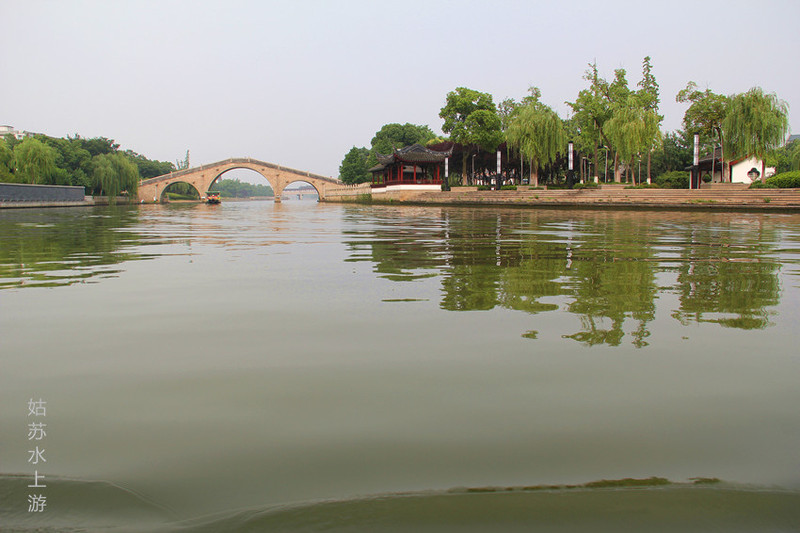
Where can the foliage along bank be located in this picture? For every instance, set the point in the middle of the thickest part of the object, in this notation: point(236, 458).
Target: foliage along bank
point(615, 129)
point(97, 164)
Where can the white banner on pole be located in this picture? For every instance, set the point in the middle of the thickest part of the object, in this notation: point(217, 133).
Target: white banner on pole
point(570, 156)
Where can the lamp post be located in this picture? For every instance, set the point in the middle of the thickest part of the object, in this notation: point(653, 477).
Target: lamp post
point(585, 169)
point(639, 174)
point(499, 159)
point(473, 168)
point(713, 159)
point(695, 163)
point(569, 164)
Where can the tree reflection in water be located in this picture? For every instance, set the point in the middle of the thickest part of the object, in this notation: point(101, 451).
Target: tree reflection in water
point(61, 246)
point(607, 267)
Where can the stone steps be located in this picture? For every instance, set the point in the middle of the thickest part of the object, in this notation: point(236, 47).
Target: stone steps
point(618, 195)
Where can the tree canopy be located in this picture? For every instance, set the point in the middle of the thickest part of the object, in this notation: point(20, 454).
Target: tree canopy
point(537, 132)
point(470, 117)
point(96, 164)
point(706, 111)
point(114, 173)
point(755, 123)
point(392, 136)
point(354, 166)
point(357, 161)
point(34, 161)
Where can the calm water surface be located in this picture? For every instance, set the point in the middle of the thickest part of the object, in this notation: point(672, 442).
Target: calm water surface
point(302, 366)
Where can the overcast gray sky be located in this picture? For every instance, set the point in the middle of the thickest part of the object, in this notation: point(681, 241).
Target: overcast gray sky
point(300, 82)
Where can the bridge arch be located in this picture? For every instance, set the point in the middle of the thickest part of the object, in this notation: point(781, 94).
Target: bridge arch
point(202, 177)
point(169, 188)
point(249, 171)
point(304, 182)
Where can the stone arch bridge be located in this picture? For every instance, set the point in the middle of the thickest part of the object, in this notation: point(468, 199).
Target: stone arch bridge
point(201, 178)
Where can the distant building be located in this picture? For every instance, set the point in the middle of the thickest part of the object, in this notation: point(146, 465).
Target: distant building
point(743, 170)
point(9, 130)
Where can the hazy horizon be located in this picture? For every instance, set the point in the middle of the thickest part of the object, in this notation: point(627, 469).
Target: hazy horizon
point(300, 83)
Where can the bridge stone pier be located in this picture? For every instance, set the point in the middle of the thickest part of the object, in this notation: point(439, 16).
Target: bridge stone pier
point(201, 178)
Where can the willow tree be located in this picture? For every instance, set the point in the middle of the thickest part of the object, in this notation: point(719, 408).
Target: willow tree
point(128, 173)
point(35, 162)
point(6, 161)
point(538, 133)
point(755, 124)
point(633, 128)
point(114, 173)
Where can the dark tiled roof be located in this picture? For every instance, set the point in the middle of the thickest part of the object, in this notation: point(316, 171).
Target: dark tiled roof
point(415, 153)
point(708, 158)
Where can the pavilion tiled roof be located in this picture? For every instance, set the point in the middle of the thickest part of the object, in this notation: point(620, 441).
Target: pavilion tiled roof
point(415, 153)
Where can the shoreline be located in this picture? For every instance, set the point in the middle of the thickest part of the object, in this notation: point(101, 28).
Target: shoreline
point(759, 200)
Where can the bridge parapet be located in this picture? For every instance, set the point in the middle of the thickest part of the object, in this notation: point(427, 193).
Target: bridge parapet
point(203, 176)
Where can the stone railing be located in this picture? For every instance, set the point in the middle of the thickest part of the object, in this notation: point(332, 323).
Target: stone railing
point(345, 191)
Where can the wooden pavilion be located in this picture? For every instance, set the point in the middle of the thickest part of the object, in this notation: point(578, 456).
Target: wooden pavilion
point(412, 167)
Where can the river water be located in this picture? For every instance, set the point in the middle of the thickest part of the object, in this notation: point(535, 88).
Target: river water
point(307, 366)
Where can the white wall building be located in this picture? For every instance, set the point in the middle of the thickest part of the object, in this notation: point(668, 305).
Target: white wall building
point(9, 130)
point(740, 172)
point(741, 169)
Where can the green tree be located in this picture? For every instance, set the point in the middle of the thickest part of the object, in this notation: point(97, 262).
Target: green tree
point(34, 161)
point(184, 163)
point(484, 129)
point(103, 176)
point(470, 117)
point(538, 133)
point(354, 166)
point(98, 145)
point(673, 154)
point(113, 174)
point(755, 124)
point(6, 162)
point(233, 188)
point(149, 168)
point(127, 173)
point(393, 136)
point(649, 99)
point(705, 115)
point(507, 110)
point(591, 111)
point(72, 161)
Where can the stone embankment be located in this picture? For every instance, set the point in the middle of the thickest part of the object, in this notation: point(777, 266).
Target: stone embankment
point(16, 195)
point(725, 198)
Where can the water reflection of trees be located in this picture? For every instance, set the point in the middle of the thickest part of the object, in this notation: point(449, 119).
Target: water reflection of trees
point(607, 268)
point(54, 247)
point(728, 276)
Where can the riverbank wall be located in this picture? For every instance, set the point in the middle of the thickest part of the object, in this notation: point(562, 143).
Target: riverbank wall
point(613, 196)
point(16, 195)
